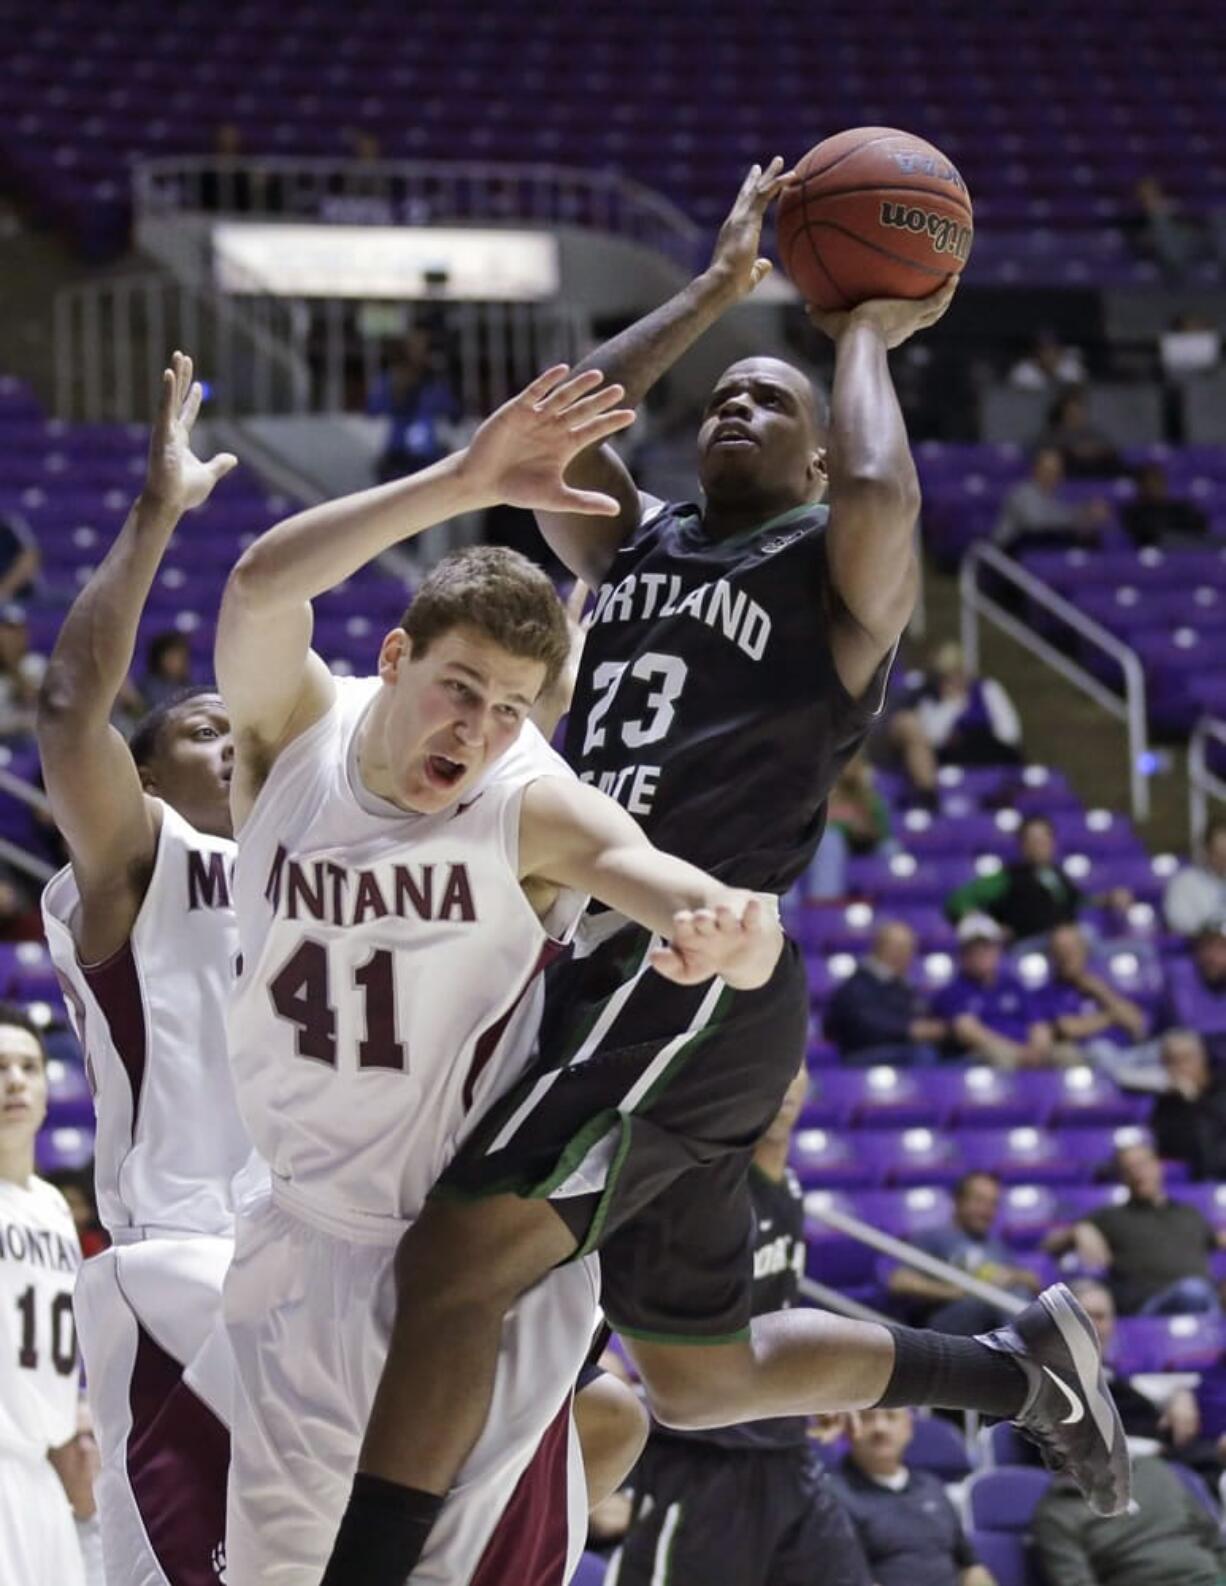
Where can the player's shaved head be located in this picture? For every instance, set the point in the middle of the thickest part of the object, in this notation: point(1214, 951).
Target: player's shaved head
point(811, 401)
point(762, 444)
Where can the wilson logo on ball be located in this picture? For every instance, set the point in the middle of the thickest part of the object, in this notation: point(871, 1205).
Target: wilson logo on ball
point(946, 235)
point(912, 164)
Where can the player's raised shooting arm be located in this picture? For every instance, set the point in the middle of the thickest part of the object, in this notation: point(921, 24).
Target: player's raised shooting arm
point(274, 685)
point(874, 490)
point(646, 351)
point(91, 779)
point(573, 836)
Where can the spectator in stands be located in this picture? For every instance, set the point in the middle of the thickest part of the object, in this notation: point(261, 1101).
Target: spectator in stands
point(1166, 1418)
point(857, 822)
point(970, 1244)
point(1154, 1250)
point(991, 1015)
point(1162, 232)
point(20, 561)
point(1189, 1121)
point(21, 672)
point(1087, 453)
point(168, 668)
point(908, 1528)
point(1196, 988)
point(1083, 1008)
point(1154, 517)
point(955, 719)
point(1167, 1539)
point(1048, 366)
point(1034, 894)
point(876, 1015)
point(1196, 895)
point(1035, 516)
point(417, 399)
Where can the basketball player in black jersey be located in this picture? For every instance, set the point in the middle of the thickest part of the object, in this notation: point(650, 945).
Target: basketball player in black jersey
point(750, 1503)
point(736, 656)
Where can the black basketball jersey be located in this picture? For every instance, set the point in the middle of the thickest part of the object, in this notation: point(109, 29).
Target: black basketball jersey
point(778, 1265)
point(708, 702)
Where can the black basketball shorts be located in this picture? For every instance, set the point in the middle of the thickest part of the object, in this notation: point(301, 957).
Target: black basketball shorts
point(755, 1517)
point(638, 1121)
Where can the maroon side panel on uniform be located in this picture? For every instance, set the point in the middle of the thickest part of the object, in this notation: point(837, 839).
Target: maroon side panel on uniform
point(529, 1543)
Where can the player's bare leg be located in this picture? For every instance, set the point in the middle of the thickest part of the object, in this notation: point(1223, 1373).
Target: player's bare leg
point(613, 1428)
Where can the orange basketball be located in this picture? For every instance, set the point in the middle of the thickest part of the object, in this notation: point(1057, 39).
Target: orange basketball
point(875, 213)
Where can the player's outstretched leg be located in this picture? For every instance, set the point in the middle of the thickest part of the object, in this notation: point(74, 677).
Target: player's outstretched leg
point(1044, 1371)
point(459, 1270)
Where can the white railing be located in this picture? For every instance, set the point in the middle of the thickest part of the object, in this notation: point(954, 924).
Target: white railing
point(1203, 783)
point(415, 192)
point(268, 354)
point(1130, 709)
point(113, 339)
point(912, 1256)
point(26, 793)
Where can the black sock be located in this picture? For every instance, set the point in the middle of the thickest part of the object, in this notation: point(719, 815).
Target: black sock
point(952, 1373)
point(382, 1535)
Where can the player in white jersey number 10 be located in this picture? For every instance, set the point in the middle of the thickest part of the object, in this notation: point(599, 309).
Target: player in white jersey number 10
point(39, 1257)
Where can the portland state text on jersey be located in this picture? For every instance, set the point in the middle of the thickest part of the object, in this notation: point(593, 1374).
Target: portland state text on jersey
point(648, 689)
point(643, 597)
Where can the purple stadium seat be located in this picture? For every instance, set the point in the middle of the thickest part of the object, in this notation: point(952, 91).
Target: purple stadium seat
point(1167, 1343)
point(912, 1156)
point(823, 1159)
point(1008, 1558)
point(1023, 1155)
point(985, 1096)
point(1088, 1096)
point(60, 1149)
point(1003, 1445)
point(938, 1446)
point(69, 1102)
point(591, 1571)
point(881, 1095)
point(1082, 1200)
point(831, 1256)
point(905, 1212)
point(1209, 1199)
point(1005, 1499)
point(1027, 1212)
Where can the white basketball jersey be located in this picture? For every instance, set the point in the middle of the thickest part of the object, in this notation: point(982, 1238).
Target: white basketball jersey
point(39, 1368)
point(171, 1151)
point(390, 980)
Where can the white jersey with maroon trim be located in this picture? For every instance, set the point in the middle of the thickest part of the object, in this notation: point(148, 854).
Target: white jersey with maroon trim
point(389, 982)
point(171, 1151)
point(39, 1368)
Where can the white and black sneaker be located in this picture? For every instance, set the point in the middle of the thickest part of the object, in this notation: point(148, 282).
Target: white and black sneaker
point(1069, 1411)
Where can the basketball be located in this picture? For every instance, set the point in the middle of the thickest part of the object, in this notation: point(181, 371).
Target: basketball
point(874, 213)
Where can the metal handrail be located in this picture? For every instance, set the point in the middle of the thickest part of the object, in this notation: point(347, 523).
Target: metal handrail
point(1203, 784)
point(17, 787)
point(912, 1256)
point(1130, 709)
point(409, 191)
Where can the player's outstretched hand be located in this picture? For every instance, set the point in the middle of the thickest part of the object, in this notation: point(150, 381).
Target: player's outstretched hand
point(741, 948)
point(896, 318)
point(736, 248)
point(176, 479)
point(521, 452)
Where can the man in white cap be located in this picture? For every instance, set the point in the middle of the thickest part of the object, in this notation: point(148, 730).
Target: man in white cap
point(990, 1013)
